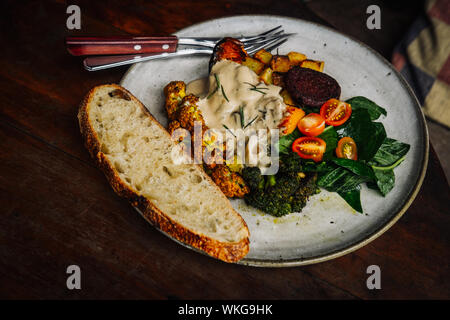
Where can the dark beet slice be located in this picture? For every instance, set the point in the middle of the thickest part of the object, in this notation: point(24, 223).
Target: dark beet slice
point(311, 88)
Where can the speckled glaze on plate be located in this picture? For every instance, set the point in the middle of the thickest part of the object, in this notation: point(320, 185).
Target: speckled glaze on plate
point(327, 227)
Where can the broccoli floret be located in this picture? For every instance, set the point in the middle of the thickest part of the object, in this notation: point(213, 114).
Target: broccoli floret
point(307, 188)
point(290, 164)
point(268, 203)
point(253, 177)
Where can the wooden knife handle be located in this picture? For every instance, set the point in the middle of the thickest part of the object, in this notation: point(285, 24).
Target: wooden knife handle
point(82, 46)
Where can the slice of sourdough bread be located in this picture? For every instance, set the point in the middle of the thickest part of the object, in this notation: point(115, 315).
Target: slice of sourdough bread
point(134, 152)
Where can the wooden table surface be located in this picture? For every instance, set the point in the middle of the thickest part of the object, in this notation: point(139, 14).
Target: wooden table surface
point(57, 209)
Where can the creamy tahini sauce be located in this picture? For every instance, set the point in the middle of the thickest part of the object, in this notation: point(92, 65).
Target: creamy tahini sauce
point(261, 110)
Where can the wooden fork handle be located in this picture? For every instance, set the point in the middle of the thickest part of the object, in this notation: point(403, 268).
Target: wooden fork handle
point(82, 46)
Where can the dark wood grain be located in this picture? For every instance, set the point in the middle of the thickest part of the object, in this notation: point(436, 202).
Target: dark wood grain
point(57, 209)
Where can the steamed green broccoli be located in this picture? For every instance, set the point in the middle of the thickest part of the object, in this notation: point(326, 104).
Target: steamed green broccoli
point(283, 193)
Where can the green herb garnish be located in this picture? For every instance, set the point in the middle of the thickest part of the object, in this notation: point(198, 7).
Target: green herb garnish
point(217, 86)
point(241, 114)
point(256, 88)
point(229, 130)
point(251, 122)
point(224, 95)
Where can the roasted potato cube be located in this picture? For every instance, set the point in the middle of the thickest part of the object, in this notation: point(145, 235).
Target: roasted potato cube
point(280, 64)
point(312, 64)
point(255, 65)
point(278, 79)
point(287, 98)
point(296, 57)
point(266, 76)
point(264, 56)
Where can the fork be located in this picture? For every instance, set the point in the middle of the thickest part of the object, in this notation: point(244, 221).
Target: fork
point(83, 46)
point(251, 46)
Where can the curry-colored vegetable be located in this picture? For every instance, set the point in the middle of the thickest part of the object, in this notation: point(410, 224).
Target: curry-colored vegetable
point(264, 56)
point(312, 64)
point(277, 79)
point(296, 57)
point(287, 97)
point(255, 65)
point(280, 64)
point(293, 116)
point(266, 76)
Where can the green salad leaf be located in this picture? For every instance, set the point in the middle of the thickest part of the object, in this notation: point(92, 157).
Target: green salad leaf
point(390, 151)
point(357, 167)
point(285, 142)
point(329, 135)
point(340, 180)
point(375, 111)
point(353, 198)
point(385, 180)
point(368, 135)
point(378, 155)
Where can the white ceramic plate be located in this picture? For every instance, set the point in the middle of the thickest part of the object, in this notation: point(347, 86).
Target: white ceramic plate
point(327, 227)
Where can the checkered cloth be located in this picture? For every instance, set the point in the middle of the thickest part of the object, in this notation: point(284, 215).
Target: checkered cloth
point(423, 58)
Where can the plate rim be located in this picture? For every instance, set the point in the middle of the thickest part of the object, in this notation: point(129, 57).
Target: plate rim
point(394, 218)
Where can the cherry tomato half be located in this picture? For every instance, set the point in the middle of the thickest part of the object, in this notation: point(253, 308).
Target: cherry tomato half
point(346, 149)
point(311, 125)
point(335, 112)
point(309, 148)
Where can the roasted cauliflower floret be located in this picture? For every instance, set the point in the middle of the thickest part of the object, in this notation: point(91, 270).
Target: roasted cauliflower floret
point(174, 92)
point(188, 113)
point(231, 183)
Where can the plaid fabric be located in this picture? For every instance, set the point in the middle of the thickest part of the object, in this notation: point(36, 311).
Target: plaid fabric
point(423, 58)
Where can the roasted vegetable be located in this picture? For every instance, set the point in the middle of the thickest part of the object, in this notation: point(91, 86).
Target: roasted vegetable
point(229, 49)
point(280, 63)
point(174, 92)
point(287, 99)
point(278, 79)
point(296, 58)
point(312, 64)
point(266, 76)
point(231, 183)
point(255, 65)
point(292, 117)
point(264, 56)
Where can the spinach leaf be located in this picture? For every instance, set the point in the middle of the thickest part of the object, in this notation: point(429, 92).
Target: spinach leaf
point(368, 135)
point(375, 111)
point(285, 142)
point(353, 198)
point(311, 166)
point(390, 151)
point(329, 135)
point(340, 180)
point(384, 176)
point(357, 167)
point(385, 180)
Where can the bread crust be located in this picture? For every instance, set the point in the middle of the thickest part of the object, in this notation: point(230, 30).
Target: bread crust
point(228, 252)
